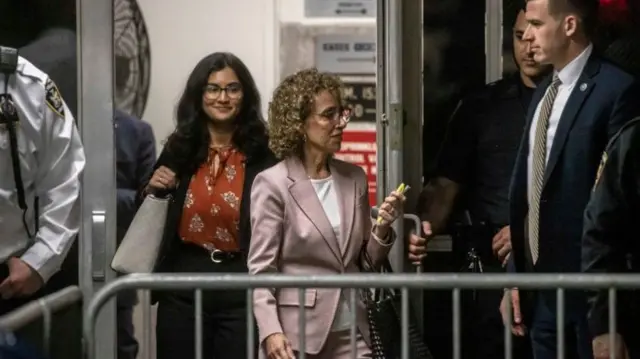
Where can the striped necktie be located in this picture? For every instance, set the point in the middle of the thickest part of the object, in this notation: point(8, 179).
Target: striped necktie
point(538, 166)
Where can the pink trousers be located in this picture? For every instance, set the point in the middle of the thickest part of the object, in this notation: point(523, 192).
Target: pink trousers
point(338, 346)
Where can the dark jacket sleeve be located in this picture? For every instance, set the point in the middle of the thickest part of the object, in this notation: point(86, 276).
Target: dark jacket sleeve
point(608, 219)
point(146, 154)
point(165, 159)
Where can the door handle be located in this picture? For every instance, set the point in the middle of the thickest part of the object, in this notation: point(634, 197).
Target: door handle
point(98, 244)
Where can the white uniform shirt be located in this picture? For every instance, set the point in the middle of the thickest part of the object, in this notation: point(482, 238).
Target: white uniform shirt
point(52, 159)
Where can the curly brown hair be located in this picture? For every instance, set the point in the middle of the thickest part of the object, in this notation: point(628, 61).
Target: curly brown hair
point(292, 103)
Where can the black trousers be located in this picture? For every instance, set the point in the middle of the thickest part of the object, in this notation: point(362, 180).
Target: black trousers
point(482, 330)
point(224, 317)
point(224, 332)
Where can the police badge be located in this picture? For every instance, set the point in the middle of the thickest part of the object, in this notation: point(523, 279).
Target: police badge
point(53, 98)
point(603, 161)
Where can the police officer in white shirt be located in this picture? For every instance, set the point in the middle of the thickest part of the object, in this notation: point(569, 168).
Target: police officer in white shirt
point(39, 203)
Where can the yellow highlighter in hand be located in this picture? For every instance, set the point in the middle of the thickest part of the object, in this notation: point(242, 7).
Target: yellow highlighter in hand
point(402, 189)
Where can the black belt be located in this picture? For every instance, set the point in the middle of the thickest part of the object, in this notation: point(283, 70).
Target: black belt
point(191, 255)
point(218, 256)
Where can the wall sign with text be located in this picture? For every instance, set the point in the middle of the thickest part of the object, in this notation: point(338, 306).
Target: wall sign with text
point(359, 148)
point(346, 54)
point(361, 97)
point(340, 8)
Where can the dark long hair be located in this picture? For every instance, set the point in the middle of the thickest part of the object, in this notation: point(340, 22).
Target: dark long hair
point(188, 144)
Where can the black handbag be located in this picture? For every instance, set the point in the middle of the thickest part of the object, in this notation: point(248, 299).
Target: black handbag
point(384, 316)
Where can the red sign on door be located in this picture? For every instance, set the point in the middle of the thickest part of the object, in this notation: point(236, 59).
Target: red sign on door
point(359, 147)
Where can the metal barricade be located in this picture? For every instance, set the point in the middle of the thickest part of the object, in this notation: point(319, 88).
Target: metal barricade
point(455, 282)
point(44, 308)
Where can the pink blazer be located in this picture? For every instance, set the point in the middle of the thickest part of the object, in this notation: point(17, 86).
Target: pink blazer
point(291, 234)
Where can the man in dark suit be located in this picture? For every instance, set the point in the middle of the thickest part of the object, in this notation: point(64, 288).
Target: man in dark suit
point(572, 116)
point(135, 157)
point(472, 174)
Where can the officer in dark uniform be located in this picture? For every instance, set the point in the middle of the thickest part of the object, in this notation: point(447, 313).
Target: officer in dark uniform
point(473, 175)
point(610, 242)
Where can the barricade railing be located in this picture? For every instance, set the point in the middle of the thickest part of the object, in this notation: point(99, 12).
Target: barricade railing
point(44, 308)
point(405, 282)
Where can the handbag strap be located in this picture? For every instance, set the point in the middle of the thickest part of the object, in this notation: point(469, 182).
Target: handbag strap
point(377, 347)
point(372, 303)
point(385, 267)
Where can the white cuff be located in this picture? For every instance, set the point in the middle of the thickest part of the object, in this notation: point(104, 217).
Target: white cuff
point(41, 259)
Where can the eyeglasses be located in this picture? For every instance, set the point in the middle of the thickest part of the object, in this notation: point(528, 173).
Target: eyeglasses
point(337, 114)
point(213, 91)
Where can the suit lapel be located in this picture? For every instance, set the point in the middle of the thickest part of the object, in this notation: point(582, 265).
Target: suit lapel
point(346, 192)
point(303, 194)
point(579, 94)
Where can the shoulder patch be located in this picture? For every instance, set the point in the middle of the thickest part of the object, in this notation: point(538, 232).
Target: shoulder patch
point(53, 98)
point(603, 162)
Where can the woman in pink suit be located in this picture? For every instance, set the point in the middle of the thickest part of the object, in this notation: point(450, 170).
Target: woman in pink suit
point(310, 215)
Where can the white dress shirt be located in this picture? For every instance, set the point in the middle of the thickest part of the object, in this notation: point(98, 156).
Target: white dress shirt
point(51, 159)
point(569, 76)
